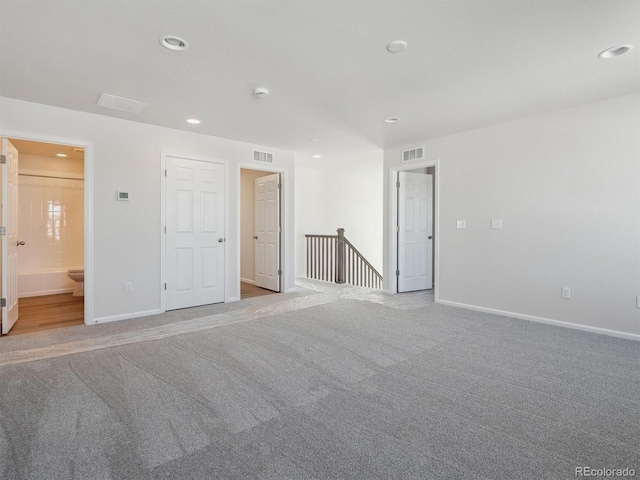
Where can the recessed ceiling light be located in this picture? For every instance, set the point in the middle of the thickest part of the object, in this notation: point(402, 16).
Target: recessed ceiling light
point(193, 121)
point(61, 154)
point(391, 120)
point(316, 156)
point(173, 43)
point(261, 92)
point(615, 51)
point(311, 140)
point(396, 46)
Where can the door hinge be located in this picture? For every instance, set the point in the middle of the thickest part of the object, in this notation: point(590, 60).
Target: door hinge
point(398, 184)
point(165, 286)
point(3, 230)
point(165, 229)
point(3, 159)
point(279, 229)
point(279, 186)
point(397, 228)
point(397, 273)
point(165, 172)
point(279, 272)
point(3, 302)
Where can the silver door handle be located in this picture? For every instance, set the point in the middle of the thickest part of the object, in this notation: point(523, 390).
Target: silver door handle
point(220, 240)
point(430, 237)
point(19, 244)
point(255, 237)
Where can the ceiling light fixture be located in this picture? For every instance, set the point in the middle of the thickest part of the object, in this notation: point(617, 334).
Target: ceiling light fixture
point(261, 92)
point(396, 46)
point(316, 156)
point(615, 51)
point(311, 140)
point(193, 121)
point(174, 43)
point(391, 120)
point(61, 155)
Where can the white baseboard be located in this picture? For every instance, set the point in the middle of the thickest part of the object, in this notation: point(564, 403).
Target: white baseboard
point(548, 321)
point(126, 316)
point(291, 290)
point(232, 299)
point(41, 293)
point(246, 280)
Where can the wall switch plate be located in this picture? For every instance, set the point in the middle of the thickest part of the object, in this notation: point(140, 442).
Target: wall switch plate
point(638, 301)
point(566, 292)
point(461, 224)
point(128, 287)
point(496, 223)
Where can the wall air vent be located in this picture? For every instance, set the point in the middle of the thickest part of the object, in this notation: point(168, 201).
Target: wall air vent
point(262, 157)
point(413, 154)
point(121, 104)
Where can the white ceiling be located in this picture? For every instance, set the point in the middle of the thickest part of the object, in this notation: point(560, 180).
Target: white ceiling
point(469, 63)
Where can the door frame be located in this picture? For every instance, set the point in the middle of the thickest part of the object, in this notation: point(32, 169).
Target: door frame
point(163, 242)
point(87, 145)
point(286, 219)
point(393, 216)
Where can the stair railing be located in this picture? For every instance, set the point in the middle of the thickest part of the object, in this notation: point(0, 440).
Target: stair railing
point(333, 258)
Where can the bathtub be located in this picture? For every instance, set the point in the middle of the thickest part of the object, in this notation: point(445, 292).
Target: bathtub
point(44, 282)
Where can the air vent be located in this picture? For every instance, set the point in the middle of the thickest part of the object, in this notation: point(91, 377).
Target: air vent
point(122, 104)
point(414, 154)
point(262, 157)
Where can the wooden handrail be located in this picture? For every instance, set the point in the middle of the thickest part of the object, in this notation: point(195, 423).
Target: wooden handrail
point(333, 258)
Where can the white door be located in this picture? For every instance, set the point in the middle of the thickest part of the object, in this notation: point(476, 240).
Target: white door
point(415, 231)
point(195, 243)
point(10, 241)
point(267, 232)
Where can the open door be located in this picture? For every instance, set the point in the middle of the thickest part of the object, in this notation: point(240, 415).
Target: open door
point(267, 232)
point(10, 240)
point(415, 231)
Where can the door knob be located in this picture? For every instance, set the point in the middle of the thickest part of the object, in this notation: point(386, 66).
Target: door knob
point(430, 237)
point(18, 244)
point(220, 240)
point(255, 237)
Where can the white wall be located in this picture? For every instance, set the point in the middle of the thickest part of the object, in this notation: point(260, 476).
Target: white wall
point(340, 193)
point(126, 235)
point(567, 188)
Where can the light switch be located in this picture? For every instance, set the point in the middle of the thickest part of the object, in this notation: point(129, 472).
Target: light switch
point(461, 224)
point(496, 223)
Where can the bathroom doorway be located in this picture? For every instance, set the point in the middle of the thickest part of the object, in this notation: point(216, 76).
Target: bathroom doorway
point(260, 233)
point(49, 236)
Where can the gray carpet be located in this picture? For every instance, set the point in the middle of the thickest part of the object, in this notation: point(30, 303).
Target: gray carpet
point(348, 390)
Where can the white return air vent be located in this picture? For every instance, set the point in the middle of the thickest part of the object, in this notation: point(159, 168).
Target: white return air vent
point(262, 157)
point(119, 103)
point(414, 154)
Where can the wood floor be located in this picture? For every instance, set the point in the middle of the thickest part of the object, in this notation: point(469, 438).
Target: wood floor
point(48, 311)
point(248, 290)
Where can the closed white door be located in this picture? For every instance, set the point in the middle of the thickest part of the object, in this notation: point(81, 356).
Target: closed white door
point(415, 231)
point(195, 238)
point(267, 232)
point(10, 241)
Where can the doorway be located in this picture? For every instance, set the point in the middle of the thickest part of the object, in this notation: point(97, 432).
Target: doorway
point(260, 232)
point(413, 235)
point(44, 216)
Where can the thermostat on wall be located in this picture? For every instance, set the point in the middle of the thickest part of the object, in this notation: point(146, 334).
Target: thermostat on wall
point(123, 196)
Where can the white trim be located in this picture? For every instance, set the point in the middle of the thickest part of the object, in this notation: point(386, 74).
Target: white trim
point(127, 316)
point(246, 280)
point(233, 299)
point(548, 321)
point(42, 293)
point(163, 189)
point(393, 221)
point(88, 205)
point(291, 290)
point(285, 216)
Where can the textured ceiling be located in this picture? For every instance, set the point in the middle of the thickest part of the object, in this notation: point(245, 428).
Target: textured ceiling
point(469, 63)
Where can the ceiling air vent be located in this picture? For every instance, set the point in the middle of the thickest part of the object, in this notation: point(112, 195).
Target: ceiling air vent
point(414, 154)
point(119, 103)
point(262, 157)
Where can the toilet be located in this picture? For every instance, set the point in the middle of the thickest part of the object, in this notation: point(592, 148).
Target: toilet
point(77, 275)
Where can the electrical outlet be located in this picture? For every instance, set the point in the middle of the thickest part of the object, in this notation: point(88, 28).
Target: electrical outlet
point(128, 287)
point(566, 292)
point(461, 224)
point(638, 301)
point(496, 223)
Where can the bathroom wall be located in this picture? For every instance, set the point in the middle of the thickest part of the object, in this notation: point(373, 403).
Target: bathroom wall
point(50, 214)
